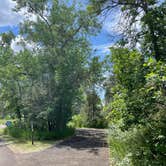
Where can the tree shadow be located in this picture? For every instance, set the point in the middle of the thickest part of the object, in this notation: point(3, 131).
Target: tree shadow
point(85, 139)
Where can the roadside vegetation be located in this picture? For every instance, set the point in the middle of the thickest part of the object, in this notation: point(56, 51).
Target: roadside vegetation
point(41, 87)
point(136, 88)
point(55, 83)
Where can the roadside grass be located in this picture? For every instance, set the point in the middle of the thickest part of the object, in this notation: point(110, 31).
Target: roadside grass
point(1, 131)
point(19, 139)
point(3, 121)
point(7, 138)
point(3, 136)
point(22, 146)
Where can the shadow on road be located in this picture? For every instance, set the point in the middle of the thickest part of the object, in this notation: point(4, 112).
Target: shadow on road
point(90, 139)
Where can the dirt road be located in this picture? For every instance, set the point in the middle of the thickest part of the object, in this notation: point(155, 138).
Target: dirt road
point(7, 158)
point(87, 148)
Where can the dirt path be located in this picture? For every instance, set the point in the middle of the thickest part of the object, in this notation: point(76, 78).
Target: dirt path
point(87, 148)
point(7, 158)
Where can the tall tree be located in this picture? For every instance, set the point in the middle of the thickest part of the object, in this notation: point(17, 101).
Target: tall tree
point(149, 15)
point(51, 76)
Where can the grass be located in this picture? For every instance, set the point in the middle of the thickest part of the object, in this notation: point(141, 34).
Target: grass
point(7, 138)
point(27, 147)
point(19, 139)
point(3, 121)
point(24, 146)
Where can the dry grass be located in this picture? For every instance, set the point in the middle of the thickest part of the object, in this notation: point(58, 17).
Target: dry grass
point(21, 146)
point(27, 147)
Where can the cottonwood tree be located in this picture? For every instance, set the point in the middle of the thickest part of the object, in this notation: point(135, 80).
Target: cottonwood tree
point(56, 70)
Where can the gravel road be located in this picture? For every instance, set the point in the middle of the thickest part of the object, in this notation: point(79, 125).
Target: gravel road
point(87, 148)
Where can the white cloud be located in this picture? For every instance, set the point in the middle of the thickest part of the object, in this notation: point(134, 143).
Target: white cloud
point(8, 17)
point(18, 44)
point(111, 23)
point(15, 44)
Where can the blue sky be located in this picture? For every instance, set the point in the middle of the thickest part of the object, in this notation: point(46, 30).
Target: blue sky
point(9, 20)
point(14, 29)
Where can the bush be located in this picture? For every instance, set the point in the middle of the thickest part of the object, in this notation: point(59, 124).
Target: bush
point(18, 132)
point(99, 122)
point(138, 146)
point(23, 132)
point(81, 120)
point(78, 121)
point(119, 146)
point(47, 135)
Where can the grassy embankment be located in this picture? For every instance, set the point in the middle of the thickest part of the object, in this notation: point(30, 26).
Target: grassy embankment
point(19, 139)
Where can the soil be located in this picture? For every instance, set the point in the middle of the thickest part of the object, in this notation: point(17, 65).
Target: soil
point(87, 148)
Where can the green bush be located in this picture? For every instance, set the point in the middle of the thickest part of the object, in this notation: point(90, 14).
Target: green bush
point(97, 123)
point(18, 132)
point(119, 146)
point(23, 132)
point(78, 121)
point(81, 120)
point(138, 146)
point(47, 135)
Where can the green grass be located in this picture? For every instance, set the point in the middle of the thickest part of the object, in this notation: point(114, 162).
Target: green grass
point(39, 135)
point(1, 131)
point(18, 138)
point(7, 138)
point(2, 121)
point(18, 145)
point(27, 147)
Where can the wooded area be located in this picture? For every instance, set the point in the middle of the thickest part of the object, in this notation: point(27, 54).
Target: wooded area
point(56, 84)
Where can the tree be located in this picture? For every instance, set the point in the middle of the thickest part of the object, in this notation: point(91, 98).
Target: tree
point(137, 108)
point(6, 39)
point(148, 14)
point(48, 80)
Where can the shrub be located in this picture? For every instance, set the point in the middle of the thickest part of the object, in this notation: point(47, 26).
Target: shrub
point(119, 146)
point(81, 120)
point(138, 146)
point(18, 132)
point(23, 132)
point(47, 135)
point(99, 122)
point(78, 121)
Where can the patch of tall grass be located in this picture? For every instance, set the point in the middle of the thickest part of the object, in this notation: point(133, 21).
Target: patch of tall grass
point(25, 133)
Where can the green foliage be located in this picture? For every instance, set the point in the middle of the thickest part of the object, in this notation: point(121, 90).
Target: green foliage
point(117, 106)
point(94, 111)
point(18, 132)
point(78, 121)
point(128, 68)
point(6, 38)
point(154, 29)
point(137, 146)
point(136, 98)
point(83, 119)
point(137, 111)
point(23, 132)
point(55, 135)
point(118, 143)
point(150, 13)
point(89, 113)
point(42, 85)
